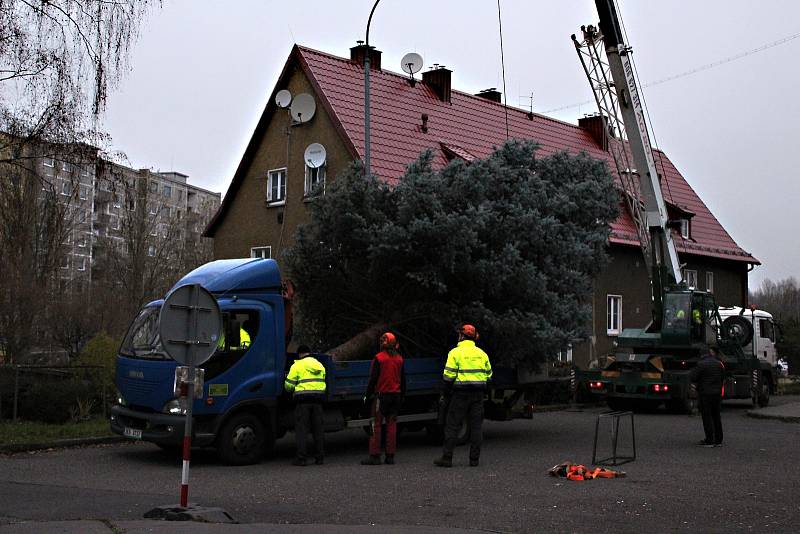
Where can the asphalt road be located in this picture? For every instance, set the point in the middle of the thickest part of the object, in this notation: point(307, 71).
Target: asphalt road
point(749, 484)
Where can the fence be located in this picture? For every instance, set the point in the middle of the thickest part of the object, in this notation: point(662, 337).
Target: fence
point(42, 392)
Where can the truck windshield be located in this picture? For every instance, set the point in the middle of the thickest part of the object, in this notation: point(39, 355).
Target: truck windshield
point(142, 340)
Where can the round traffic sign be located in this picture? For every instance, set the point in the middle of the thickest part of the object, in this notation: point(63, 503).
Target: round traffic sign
point(190, 324)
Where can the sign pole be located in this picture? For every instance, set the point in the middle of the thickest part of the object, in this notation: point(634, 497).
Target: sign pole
point(187, 432)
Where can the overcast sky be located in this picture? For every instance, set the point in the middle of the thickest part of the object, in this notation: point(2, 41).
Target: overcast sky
point(203, 70)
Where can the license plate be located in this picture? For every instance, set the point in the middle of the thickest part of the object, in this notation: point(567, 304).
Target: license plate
point(134, 433)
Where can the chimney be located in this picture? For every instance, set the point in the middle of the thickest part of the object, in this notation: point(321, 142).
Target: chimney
point(597, 125)
point(357, 55)
point(491, 94)
point(438, 79)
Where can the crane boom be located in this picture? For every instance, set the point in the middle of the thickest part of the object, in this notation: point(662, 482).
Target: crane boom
point(618, 98)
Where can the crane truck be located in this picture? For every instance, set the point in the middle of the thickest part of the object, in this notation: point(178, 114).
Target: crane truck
point(652, 365)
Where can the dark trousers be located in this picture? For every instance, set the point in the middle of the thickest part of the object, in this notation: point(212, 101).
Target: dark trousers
point(308, 416)
point(385, 407)
point(712, 421)
point(466, 406)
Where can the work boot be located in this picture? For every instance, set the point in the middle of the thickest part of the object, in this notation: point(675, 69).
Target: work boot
point(473, 463)
point(444, 461)
point(301, 462)
point(389, 459)
point(374, 459)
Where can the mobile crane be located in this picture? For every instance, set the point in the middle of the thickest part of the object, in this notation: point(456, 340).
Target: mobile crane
point(652, 364)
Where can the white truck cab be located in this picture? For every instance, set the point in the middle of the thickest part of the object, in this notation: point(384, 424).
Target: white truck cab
point(764, 332)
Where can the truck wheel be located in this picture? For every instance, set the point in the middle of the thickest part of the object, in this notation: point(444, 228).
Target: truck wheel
point(242, 440)
point(763, 395)
point(683, 405)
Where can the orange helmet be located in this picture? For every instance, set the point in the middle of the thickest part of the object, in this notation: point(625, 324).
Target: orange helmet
point(468, 331)
point(388, 341)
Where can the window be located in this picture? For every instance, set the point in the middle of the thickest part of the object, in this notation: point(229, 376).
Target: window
point(167, 191)
point(80, 263)
point(276, 186)
point(83, 216)
point(766, 329)
point(180, 194)
point(65, 262)
point(84, 192)
point(154, 187)
point(66, 188)
point(565, 355)
point(84, 171)
point(82, 241)
point(115, 222)
point(685, 228)
point(710, 282)
point(66, 167)
point(153, 209)
point(315, 180)
point(130, 201)
point(151, 251)
point(48, 162)
point(116, 200)
point(261, 252)
point(690, 277)
point(154, 230)
point(613, 314)
point(239, 332)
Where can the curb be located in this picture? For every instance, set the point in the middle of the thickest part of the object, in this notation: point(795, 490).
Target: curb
point(60, 444)
point(785, 418)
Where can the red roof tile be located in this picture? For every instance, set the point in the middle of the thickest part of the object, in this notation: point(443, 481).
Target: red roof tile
point(471, 126)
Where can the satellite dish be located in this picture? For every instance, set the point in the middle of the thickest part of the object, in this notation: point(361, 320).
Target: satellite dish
point(411, 63)
point(315, 155)
point(303, 107)
point(283, 98)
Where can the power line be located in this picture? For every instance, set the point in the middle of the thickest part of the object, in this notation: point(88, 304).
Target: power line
point(503, 63)
point(701, 68)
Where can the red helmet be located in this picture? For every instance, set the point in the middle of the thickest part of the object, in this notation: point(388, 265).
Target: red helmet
point(388, 341)
point(468, 331)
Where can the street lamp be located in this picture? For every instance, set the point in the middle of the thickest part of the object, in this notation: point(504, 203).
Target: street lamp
point(366, 94)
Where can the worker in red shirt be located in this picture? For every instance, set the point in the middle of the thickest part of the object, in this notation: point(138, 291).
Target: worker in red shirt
point(386, 389)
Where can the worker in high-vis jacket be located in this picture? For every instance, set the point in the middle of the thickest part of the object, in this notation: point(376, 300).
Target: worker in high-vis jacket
point(306, 380)
point(466, 375)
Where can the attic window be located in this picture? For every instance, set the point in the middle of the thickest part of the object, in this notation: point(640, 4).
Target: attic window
point(685, 228)
point(315, 181)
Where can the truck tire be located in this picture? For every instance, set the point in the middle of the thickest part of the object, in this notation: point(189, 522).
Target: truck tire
point(242, 440)
point(683, 405)
point(762, 399)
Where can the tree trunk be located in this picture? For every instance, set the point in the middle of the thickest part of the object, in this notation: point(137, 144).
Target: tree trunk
point(362, 346)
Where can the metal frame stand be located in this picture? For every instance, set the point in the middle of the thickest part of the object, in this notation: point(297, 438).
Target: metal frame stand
point(615, 458)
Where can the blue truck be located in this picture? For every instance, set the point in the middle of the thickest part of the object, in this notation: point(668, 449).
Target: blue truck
point(243, 408)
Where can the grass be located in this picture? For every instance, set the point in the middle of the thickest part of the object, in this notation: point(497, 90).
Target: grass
point(24, 432)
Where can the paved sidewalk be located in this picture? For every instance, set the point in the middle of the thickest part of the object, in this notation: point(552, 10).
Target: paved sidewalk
point(191, 527)
point(789, 412)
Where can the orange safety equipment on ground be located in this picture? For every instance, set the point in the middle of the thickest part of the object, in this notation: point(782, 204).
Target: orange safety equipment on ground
point(388, 341)
point(580, 472)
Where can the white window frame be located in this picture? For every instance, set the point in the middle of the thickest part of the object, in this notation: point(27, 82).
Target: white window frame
point(48, 162)
point(153, 187)
point(709, 281)
point(166, 190)
point(685, 228)
point(690, 275)
point(254, 252)
point(81, 241)
point(151, 251)
point(308, 188)
point(66, 166)
point(281, 174)
point(83, 192)
point(81, 265)
point(613, 314)
point(66, 185)
point(65, 262)
point(153, 209)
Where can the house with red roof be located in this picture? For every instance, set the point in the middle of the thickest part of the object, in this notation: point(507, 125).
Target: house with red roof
point(268, 195)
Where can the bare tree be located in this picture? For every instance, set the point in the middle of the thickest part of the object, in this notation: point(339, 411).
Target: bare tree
point(58, 59)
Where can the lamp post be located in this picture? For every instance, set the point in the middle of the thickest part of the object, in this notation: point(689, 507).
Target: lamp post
point(367, 170)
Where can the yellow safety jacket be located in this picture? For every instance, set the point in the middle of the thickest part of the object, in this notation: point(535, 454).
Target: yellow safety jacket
point(244, 340)
point(306, 378)
point(467, 366)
